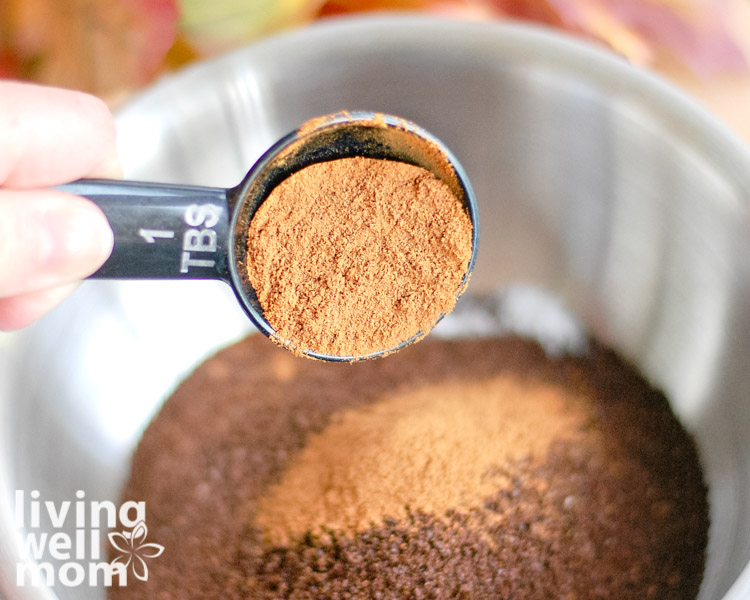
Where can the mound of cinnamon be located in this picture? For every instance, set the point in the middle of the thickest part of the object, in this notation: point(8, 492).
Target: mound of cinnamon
point(357, 255)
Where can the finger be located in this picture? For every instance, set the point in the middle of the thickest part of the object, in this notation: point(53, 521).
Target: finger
point(52, 136)
point(19, 311)
point(47, 239)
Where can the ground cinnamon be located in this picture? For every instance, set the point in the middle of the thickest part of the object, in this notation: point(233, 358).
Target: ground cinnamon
point(356, 255)
point(434, 448)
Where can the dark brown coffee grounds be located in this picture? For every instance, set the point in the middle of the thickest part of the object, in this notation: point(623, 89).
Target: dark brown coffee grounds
point(618, 512)
point(357, 255)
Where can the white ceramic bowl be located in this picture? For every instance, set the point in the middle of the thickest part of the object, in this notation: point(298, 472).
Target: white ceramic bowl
point(597, 183)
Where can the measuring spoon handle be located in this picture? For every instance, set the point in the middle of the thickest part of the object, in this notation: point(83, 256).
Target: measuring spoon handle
point(161, 231)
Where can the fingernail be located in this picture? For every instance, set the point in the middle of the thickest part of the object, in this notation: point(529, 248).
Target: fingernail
point(79, 239)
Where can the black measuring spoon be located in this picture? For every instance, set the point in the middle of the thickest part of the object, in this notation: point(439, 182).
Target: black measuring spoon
point(168, 231)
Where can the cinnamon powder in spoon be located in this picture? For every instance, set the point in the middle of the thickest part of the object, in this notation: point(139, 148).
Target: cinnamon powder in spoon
point(356, 255)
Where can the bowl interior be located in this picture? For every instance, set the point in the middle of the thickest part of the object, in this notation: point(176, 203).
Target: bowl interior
point(596, 183)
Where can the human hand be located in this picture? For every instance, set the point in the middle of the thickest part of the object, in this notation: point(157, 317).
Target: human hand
point(49, 240)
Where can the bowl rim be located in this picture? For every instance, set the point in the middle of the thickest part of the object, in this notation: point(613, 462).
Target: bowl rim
point(513, 40)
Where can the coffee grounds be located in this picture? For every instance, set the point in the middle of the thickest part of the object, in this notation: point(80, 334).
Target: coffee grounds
point(357, 255)
point(618, 510)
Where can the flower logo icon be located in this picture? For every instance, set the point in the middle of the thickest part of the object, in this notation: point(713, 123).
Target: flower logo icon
point(134, 549)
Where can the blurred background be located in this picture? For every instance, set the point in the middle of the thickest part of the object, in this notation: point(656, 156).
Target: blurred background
point(113, 48)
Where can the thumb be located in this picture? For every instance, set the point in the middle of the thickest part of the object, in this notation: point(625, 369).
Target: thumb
point(48, 238)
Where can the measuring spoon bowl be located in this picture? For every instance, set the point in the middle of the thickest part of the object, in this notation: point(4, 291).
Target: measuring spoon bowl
point(171, 231)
